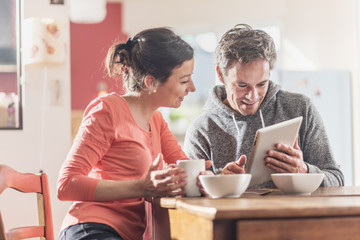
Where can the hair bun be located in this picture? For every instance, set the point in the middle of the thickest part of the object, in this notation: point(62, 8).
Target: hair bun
point(131, 42)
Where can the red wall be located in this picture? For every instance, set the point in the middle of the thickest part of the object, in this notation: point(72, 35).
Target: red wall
point(8, 82)
point(89, 45)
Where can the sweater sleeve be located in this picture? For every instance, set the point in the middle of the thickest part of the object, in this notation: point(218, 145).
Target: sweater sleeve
point(317, 151)
point(95, 135)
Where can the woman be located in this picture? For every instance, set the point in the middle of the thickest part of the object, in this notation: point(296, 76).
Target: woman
point(110, 168)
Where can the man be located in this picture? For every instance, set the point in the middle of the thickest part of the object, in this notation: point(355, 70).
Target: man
point(225, 131)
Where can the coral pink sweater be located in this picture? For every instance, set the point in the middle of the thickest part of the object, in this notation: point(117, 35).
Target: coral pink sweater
point(111, 145)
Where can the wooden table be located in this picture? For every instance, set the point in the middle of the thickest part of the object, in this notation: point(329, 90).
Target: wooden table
point(328, 213)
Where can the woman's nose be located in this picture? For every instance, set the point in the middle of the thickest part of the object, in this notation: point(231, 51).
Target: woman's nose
point(191, 88)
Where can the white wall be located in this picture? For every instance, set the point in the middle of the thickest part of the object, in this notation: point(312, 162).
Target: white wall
point(20, 149)
point(188, 16)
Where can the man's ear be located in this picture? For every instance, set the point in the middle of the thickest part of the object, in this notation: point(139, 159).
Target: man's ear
point(150, 83)
point(219, 74)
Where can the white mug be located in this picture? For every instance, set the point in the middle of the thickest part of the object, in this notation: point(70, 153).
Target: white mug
point(192, 168)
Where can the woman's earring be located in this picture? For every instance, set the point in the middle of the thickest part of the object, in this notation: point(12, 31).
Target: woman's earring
point(123, 68)
point(154, 87)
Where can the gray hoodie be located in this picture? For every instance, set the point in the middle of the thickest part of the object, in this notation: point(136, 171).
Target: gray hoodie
point(223, 135)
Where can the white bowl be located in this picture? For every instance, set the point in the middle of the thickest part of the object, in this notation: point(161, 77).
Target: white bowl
point(297, 183)
point(231, 185)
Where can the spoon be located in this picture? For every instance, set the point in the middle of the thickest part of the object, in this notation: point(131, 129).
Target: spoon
point(266, 192)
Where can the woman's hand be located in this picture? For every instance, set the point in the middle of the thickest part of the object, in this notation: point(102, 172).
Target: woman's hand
point(236, 167)
point(167, 182)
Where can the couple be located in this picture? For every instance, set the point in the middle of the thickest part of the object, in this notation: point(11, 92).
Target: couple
point(116, 159)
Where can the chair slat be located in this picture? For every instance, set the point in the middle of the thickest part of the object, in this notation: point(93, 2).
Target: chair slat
point(25, 232)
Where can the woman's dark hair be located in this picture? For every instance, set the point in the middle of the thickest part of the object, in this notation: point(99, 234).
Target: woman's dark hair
point(155, 52)
point(244, 44)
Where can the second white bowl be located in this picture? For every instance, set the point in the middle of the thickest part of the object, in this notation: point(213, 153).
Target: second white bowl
point(297, 183)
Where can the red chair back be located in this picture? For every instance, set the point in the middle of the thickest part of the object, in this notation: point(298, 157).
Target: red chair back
point(28, 183)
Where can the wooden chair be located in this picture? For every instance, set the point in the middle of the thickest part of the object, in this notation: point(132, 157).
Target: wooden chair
point(28, 183)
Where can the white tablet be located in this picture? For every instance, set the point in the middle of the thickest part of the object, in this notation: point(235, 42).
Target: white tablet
point(265, 139)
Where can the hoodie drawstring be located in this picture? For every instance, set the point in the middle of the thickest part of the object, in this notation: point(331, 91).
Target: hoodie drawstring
point(237, 127)
point(262, 118)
